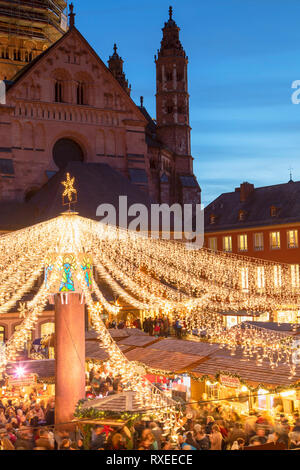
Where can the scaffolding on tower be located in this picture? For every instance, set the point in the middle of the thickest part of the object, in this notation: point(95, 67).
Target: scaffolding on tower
point(43, 20)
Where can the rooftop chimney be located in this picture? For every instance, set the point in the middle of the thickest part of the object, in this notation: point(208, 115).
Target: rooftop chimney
point(246, 189)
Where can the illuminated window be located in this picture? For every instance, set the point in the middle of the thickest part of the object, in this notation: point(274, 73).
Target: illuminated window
point(295, 275)
point(212, 219)
point(277, 276)
point(275, 240)
point(227, 244)
point(2, 334)
point(243, 242)
point(242, 215)
point(258, 241)
point(47, 328)
point(292, 238)
point(231, 321)
point(244, 279)
point(261, 277)
point(212, 390)
point(213, 243)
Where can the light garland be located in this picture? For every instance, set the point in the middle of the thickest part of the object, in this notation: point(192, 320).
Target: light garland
point(158, 276)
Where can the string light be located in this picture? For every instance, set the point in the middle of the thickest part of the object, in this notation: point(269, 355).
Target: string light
point(153, 275)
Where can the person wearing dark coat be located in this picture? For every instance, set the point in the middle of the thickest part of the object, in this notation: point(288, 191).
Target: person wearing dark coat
point(98, 441)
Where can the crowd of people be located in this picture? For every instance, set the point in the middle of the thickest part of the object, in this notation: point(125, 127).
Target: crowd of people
point(158, 326)
point(29, 425)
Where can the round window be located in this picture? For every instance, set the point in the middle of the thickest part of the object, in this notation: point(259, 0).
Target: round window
point(65, 151)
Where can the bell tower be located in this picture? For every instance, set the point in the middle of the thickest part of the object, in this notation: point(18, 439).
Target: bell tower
point(172, 98)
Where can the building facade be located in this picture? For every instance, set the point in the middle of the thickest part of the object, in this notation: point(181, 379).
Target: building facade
point(67, 105)
point(259, 223)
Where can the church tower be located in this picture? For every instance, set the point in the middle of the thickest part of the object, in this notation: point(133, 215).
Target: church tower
point(115, 65)
point(27, 28)
point(172, 98)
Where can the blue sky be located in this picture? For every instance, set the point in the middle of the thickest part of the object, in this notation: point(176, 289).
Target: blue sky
point(243, 57)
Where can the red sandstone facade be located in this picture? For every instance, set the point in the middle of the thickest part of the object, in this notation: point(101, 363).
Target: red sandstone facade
point(68, 105)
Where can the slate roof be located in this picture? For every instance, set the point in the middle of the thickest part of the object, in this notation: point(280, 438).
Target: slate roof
point(96, 183)
point(285, 197)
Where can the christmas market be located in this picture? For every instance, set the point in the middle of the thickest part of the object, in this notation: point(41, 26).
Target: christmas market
point(139, 312)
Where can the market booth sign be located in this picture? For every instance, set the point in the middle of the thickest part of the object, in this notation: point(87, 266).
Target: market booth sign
point(27, 379)
point(229, 381)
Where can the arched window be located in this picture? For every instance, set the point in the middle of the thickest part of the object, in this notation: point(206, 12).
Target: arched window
point(2, 334)
point(58, 91)
point(169, 76)
point(80, 93)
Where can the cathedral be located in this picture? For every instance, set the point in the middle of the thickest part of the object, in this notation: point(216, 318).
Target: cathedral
point(65, 108)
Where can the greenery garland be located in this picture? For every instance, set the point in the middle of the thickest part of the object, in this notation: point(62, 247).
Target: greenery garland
point(216, 377)
point(203, 378)
point(92, 413)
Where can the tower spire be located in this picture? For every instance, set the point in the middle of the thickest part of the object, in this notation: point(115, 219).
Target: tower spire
point(115, 65)
point(172, 98)
point(71, 15)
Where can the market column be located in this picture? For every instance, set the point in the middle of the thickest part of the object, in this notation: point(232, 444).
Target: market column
point(69, 355)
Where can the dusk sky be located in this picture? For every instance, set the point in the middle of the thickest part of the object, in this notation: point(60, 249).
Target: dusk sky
point(243, 57)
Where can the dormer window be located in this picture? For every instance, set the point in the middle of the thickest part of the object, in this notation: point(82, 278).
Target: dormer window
point(273, 211)
point(212, 219)
point(242, 215)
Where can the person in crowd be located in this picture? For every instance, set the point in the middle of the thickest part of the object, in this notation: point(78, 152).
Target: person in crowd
point(99, 438)
point(44, 440)
point(294, 439)
point(65, 444)
point(215, 438)
point(202, 440)
point(260, 435)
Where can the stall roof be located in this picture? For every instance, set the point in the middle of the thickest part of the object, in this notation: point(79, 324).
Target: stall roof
point(118, 402)
point(285, 328)
point(139, 341)
point(200, 349)
point(168, 361)
point(94, 351)
point(248, 371)
point(43, 368)
point(117, 334)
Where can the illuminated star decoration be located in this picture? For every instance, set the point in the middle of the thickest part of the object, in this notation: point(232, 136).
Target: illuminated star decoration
point(22, 309)
point(70, 192)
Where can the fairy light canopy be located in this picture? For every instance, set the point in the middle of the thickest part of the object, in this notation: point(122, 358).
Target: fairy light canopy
point(148, 274)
